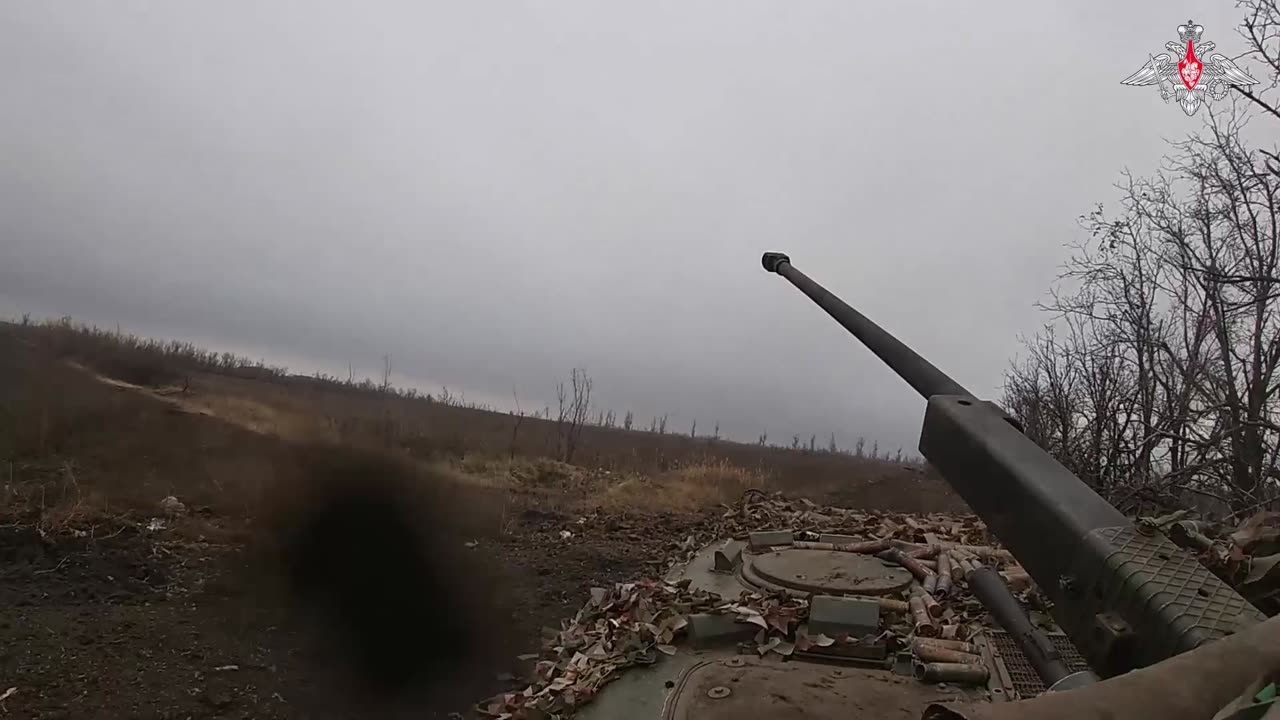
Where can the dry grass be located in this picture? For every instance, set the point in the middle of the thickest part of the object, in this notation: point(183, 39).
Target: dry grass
point(550, 484)
point(482, 442)
point(52, 500)
point(685, 489)
point(215, 440)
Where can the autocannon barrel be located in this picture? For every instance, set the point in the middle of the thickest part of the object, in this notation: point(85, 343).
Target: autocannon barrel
point(918, 372)
point(1126, 597)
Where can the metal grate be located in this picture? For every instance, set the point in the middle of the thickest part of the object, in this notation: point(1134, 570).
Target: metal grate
point(1024, 677)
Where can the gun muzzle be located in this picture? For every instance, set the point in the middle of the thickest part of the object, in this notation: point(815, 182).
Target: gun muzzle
point(772, 260)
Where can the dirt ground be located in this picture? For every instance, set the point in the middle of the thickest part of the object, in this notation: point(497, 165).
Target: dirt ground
point(137, 625)
point(299, 581)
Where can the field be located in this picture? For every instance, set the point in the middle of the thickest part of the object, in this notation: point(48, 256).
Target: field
point(326, 543)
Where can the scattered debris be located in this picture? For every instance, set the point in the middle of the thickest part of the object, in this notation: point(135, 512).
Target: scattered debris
point(225, 668)
point(155, 524)
point(934, 653)
point(636, 623)
point(1264, 527)
point(951, 672)
point(1245, 556)
point(216, 699)
point(619, 627)
point(172, 506)
point(9, 693)
point(1163, 522)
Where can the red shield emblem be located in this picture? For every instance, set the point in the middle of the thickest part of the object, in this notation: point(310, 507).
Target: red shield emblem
point(1189, 68)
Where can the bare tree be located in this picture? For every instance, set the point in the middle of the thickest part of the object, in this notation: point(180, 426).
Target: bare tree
point(386, 373)
point(515, 427)
point(627, 420)
point(1157, 376)
point(693, 431)
point(662, 425)
point(574, 408)
point(1261, 29)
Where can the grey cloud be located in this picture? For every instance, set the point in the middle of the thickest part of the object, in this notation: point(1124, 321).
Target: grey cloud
point(495, 192)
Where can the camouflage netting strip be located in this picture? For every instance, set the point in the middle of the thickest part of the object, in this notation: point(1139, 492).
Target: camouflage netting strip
point(633, 624)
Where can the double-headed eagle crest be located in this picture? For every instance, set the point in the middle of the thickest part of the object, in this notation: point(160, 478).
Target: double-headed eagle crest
point(1190, 79)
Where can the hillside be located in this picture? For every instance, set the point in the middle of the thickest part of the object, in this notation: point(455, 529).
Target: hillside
point(444, 527)
point(300, 408)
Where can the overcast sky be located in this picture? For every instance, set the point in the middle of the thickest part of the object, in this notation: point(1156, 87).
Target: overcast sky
point(495, 192)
